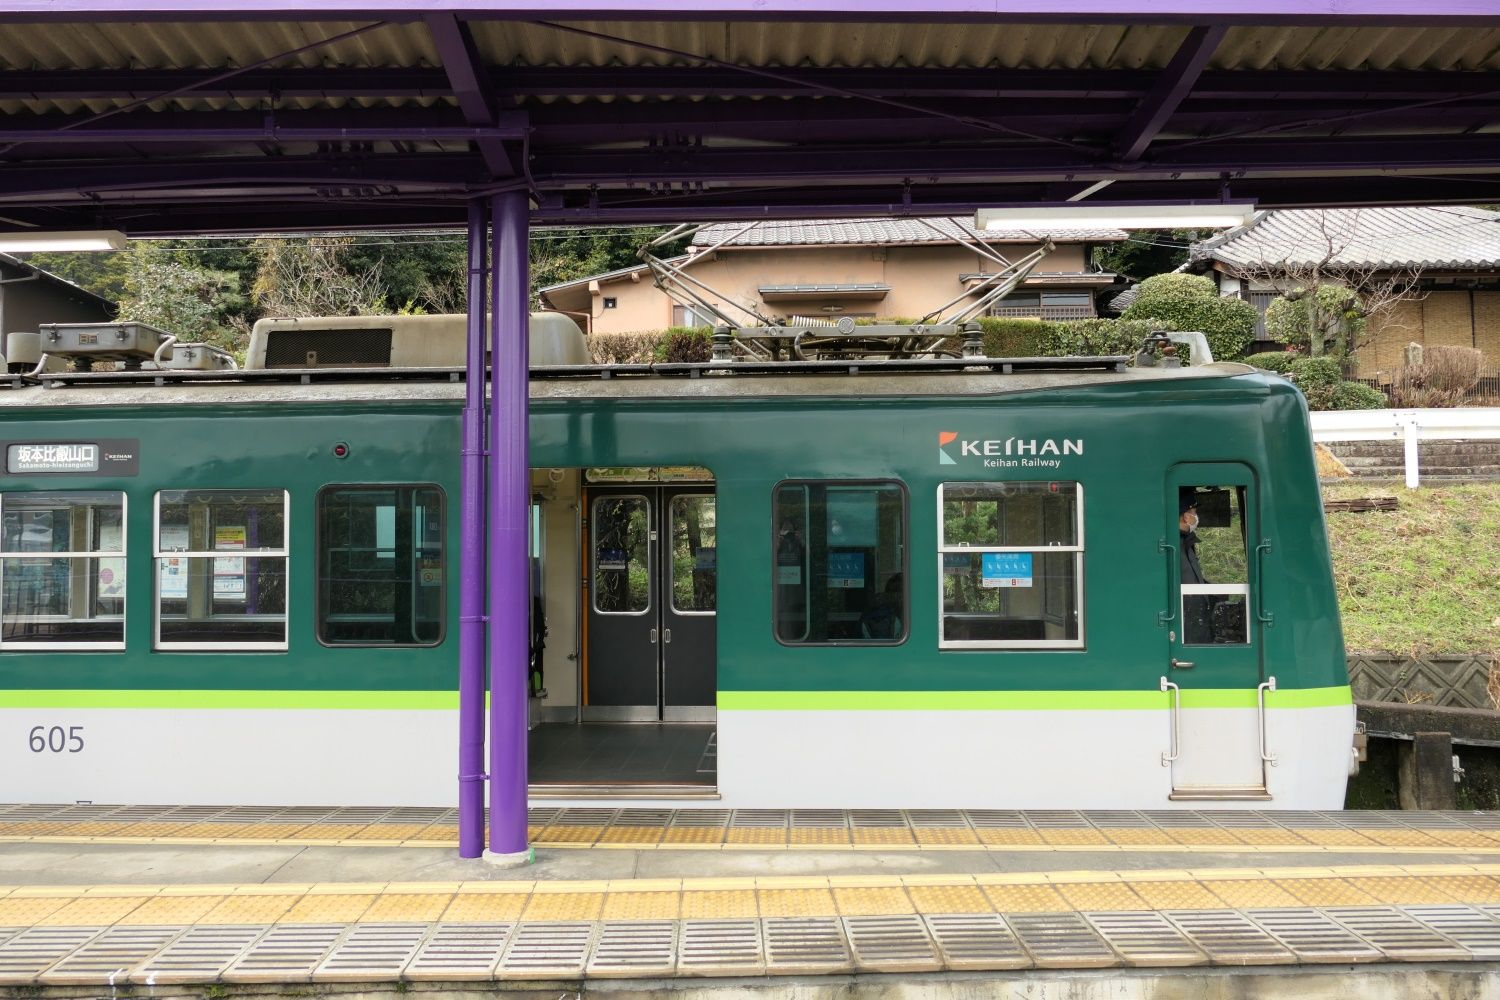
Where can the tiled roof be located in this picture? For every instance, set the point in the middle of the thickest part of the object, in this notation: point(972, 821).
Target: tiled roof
point(1446, 237)
point(885, 232)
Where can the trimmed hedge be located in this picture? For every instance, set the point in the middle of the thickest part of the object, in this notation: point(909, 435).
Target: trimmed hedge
point(1036, 338)
point(1192, 302)
point(1279, 362)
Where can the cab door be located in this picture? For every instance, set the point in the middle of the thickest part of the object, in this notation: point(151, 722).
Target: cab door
point(1214, 674)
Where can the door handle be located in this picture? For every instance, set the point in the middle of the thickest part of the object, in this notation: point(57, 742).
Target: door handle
point(666, 635)
point(1266, 618)
point(1175, 707)
point(1182, 664)
point(1163, 617)
point(653, 635)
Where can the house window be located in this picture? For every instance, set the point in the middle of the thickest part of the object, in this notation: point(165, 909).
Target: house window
point(62, 573)
point(1046, 305)
point(610, 302)
point(687, 316)
point(1012, 565)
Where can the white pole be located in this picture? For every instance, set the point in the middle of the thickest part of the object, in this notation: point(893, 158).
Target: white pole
point(1412, 473)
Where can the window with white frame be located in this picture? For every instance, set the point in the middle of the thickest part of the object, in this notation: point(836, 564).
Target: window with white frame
point(1012, 565)
point(221, 559)
point(62, 570)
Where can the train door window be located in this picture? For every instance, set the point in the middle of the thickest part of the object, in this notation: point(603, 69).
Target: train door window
point(62, 570)
point(695, 567)
point(380, 566)
point(622, 555)
point(1214, 581)
point(839, 562)
point(1012, 573)
point(221, 580)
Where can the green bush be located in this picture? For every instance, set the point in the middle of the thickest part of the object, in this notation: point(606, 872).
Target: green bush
point(1192, 302)
point(682, 344)
point(1357, 396)
point(1279, 362)
point(1094, 337)
point(1013, 338)
point(1315, 373)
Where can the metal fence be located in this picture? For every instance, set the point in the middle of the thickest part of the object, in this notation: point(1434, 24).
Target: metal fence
point(1486, 393)
point(1409, 427)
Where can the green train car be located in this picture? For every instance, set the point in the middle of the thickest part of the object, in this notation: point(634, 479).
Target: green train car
point(768, 587)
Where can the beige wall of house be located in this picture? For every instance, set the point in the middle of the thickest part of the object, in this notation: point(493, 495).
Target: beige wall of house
point(1452, 318)
point(921, 278)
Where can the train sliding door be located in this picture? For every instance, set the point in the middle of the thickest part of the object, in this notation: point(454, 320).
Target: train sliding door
point(653, 583)
point(1214, 665)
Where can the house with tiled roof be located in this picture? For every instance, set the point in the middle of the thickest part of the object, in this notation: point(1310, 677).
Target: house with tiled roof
point(1450, 254)
point(875, 268)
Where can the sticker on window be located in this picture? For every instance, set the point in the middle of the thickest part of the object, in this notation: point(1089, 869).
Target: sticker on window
point(1005, 569)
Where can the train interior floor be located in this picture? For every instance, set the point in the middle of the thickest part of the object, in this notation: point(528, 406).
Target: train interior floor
point(94, 895)
point(623, 754)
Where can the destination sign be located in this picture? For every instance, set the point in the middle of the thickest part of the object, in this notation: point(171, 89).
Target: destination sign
point(112, 457)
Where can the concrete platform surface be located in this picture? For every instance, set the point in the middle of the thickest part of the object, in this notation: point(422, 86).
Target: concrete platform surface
point(119, 896)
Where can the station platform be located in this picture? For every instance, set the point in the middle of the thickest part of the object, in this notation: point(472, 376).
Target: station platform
point(706, 901)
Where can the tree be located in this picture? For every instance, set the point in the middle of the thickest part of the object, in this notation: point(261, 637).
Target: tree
point(1192, 302)
point(195, 303)
point(1327, 296)
point(1147, 252)
point(311, 277)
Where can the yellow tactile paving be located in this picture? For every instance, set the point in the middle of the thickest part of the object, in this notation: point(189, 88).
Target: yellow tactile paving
point(1334, 837)
point(1202, 836)
point(1073, 836)
point(24, 911)
point(445, 833)
point(327, 909)
point(948, 899)
point(796, 903)
point(413, 907)
point(172, 910)
point(1025, 898)
point(484, 907)
point(148, 830)
point(1244, 894)
point(1100, 896)
point(1269, 837)
point(944, 836)
point(91, 911)
point(763, 835)
point(1136, 835)
point(249, 909)
point(1468, 888)
point(871, 902)
point(641, 906)
point(1402, 837)
point(1404, 890)
point(818, 836)
point(1325, 892)
point(719, 903)
point(1177, 896)
point(1008, 836)
point(564, 906)
point(644, 835)
point(1460, 838)
point(558, 834)
point(693, 835)
point(883, 836)
point(327, 831)
point(389, 831)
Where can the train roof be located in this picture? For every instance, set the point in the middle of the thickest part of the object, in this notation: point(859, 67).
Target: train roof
point(986, 377)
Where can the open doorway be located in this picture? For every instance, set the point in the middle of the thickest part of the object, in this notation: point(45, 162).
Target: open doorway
point(642, 582)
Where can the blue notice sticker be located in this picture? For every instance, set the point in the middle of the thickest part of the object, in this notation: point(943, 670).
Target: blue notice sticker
point(1005, 569)
point(846, 570)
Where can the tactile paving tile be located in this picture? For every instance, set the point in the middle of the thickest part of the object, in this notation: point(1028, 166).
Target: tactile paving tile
point(108, 957)
point(1325, 891)
point(641, 906)
point(459, 952)
point(1464, 925)
point(407, 908)
point(1100, 896)
point(200, 955)
point(486, 907)
point(805, 946)
point(1397, 935)
point(1025, 898)
point(1314, 937)
point(285, 953)
point(975, 941)
point(896, 943)
point(1250, 893)
point(372, 952)
point(1002, 828)
point(711, 904)
point(1146, 939)
point(1229, 938)
point(719, 948)
point(871, 901)
point(92, 911)
point(539, 950)
point(796, 902)
point(34, 950)
point(634, 948)
point(160, 911)
point(758, 826)
point(1061, 941)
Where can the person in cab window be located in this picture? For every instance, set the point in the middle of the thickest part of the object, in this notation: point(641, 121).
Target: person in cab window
point(1197, 609)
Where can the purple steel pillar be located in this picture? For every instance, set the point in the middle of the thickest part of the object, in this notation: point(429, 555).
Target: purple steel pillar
point(471, 631)
point(510, 514)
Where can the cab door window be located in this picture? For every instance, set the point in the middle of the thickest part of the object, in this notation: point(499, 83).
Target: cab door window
point(1213, 572)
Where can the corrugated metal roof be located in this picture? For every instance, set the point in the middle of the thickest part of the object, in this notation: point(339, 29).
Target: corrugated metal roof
point(1447, 237)
point(885, 232)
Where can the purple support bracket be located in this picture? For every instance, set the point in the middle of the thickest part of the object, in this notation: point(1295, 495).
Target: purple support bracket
point(1171, 88)
point(471, 589)
point(510, 514)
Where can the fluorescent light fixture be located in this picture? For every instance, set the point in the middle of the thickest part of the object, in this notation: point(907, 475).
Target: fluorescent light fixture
point(41, 242)
point(1089, 215)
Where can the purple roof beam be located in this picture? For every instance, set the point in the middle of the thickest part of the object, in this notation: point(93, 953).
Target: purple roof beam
point(471, 85)
point(1169, 91)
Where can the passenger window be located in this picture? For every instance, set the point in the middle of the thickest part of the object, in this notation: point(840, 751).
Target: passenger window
point(221, 569)
point(1012, 557)
point(1213, 576)
point(694, 553)
point(62, 570)
point(622, 557)
point(380, 566)
point(840, 563)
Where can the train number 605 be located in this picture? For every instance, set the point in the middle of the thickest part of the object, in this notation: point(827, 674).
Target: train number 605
point(56, 739)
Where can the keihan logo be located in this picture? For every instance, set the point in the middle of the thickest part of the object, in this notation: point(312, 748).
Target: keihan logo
point(946, 437)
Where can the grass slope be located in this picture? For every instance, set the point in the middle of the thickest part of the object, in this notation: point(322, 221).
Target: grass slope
point(1421, 579)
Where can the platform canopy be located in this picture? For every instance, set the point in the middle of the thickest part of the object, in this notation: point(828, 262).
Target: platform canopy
point(177, 116)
